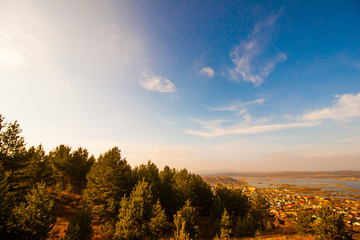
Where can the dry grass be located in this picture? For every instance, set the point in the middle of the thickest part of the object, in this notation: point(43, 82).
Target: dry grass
point(65, 206)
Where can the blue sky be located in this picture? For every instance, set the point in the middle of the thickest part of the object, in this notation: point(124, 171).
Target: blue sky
point(206, 85)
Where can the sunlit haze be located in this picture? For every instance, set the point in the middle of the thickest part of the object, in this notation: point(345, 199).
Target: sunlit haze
point(210, 86)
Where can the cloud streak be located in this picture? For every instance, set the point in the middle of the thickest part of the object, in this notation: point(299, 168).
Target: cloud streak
point(155, 83)
point(238, 107)
point(214, 128)
point(345, 109)
point(253, 63)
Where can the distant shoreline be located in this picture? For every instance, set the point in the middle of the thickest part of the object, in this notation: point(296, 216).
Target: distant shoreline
point(336, 175)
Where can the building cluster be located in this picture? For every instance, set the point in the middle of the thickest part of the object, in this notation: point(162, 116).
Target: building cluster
point(285, 204)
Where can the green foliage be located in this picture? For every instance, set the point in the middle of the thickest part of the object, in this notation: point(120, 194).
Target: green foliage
point(304, 221)
point(225, 227)
point(191, 187)
point(80, 225)
point(70, 168)
point(78, 166)
point(149, 173)
point(246, 226)
point(38, 168)
point(260, 209)
point(135, 213)
point(186, 222)
point(236, 203)
point(58, 159)
point(11, 143)
point(158, 223)
point(13, 153)
point(138, 217)
point(256, 220)
point(331, 226)
point(109, 179)
point(178, 186)
point(6, 202)
point(168, 196)
point(180, 233)
point(34, 217)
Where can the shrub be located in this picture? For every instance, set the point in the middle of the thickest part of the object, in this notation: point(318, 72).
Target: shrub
point(80, 226)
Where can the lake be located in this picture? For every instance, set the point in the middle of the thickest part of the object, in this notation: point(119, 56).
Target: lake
point(323, 184)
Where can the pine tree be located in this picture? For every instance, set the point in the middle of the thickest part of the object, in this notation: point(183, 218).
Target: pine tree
point(13, 154)
point(246, 226)
point(134, 212)
point(138, 217)
point(158, 223)
point(236, 203)
point(168, 197)
point(70, 168)
point(192, 187)
point(59, 158)
point(187, 218)
point(80, 226)
point(180, 233)
point(38, 168)
point(34, 217)
point(260, 209)
point(6, 202)
point(109, 179)
point(77, 167)
point(149, 173)
point(11, 143)
point(225, 227)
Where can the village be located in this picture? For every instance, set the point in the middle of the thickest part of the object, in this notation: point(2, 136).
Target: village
point(286, 202)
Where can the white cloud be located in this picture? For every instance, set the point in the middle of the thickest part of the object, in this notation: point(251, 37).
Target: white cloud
point(239, 106)
point(251, 64)
point(214, 128)
point(207, 71)
point(155, 83)
point(346, 107)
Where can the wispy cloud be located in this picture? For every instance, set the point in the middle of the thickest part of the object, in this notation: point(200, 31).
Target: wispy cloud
point(155, 83)
point(253, 63)
point(345, 108)
point(207, 71)
point(215, 129)
point(238, 106)
point(241, 108)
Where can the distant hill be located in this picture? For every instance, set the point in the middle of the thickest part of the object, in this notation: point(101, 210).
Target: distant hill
point(291, 174)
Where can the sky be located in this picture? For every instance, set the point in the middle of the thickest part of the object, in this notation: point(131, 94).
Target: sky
point(211, 86)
